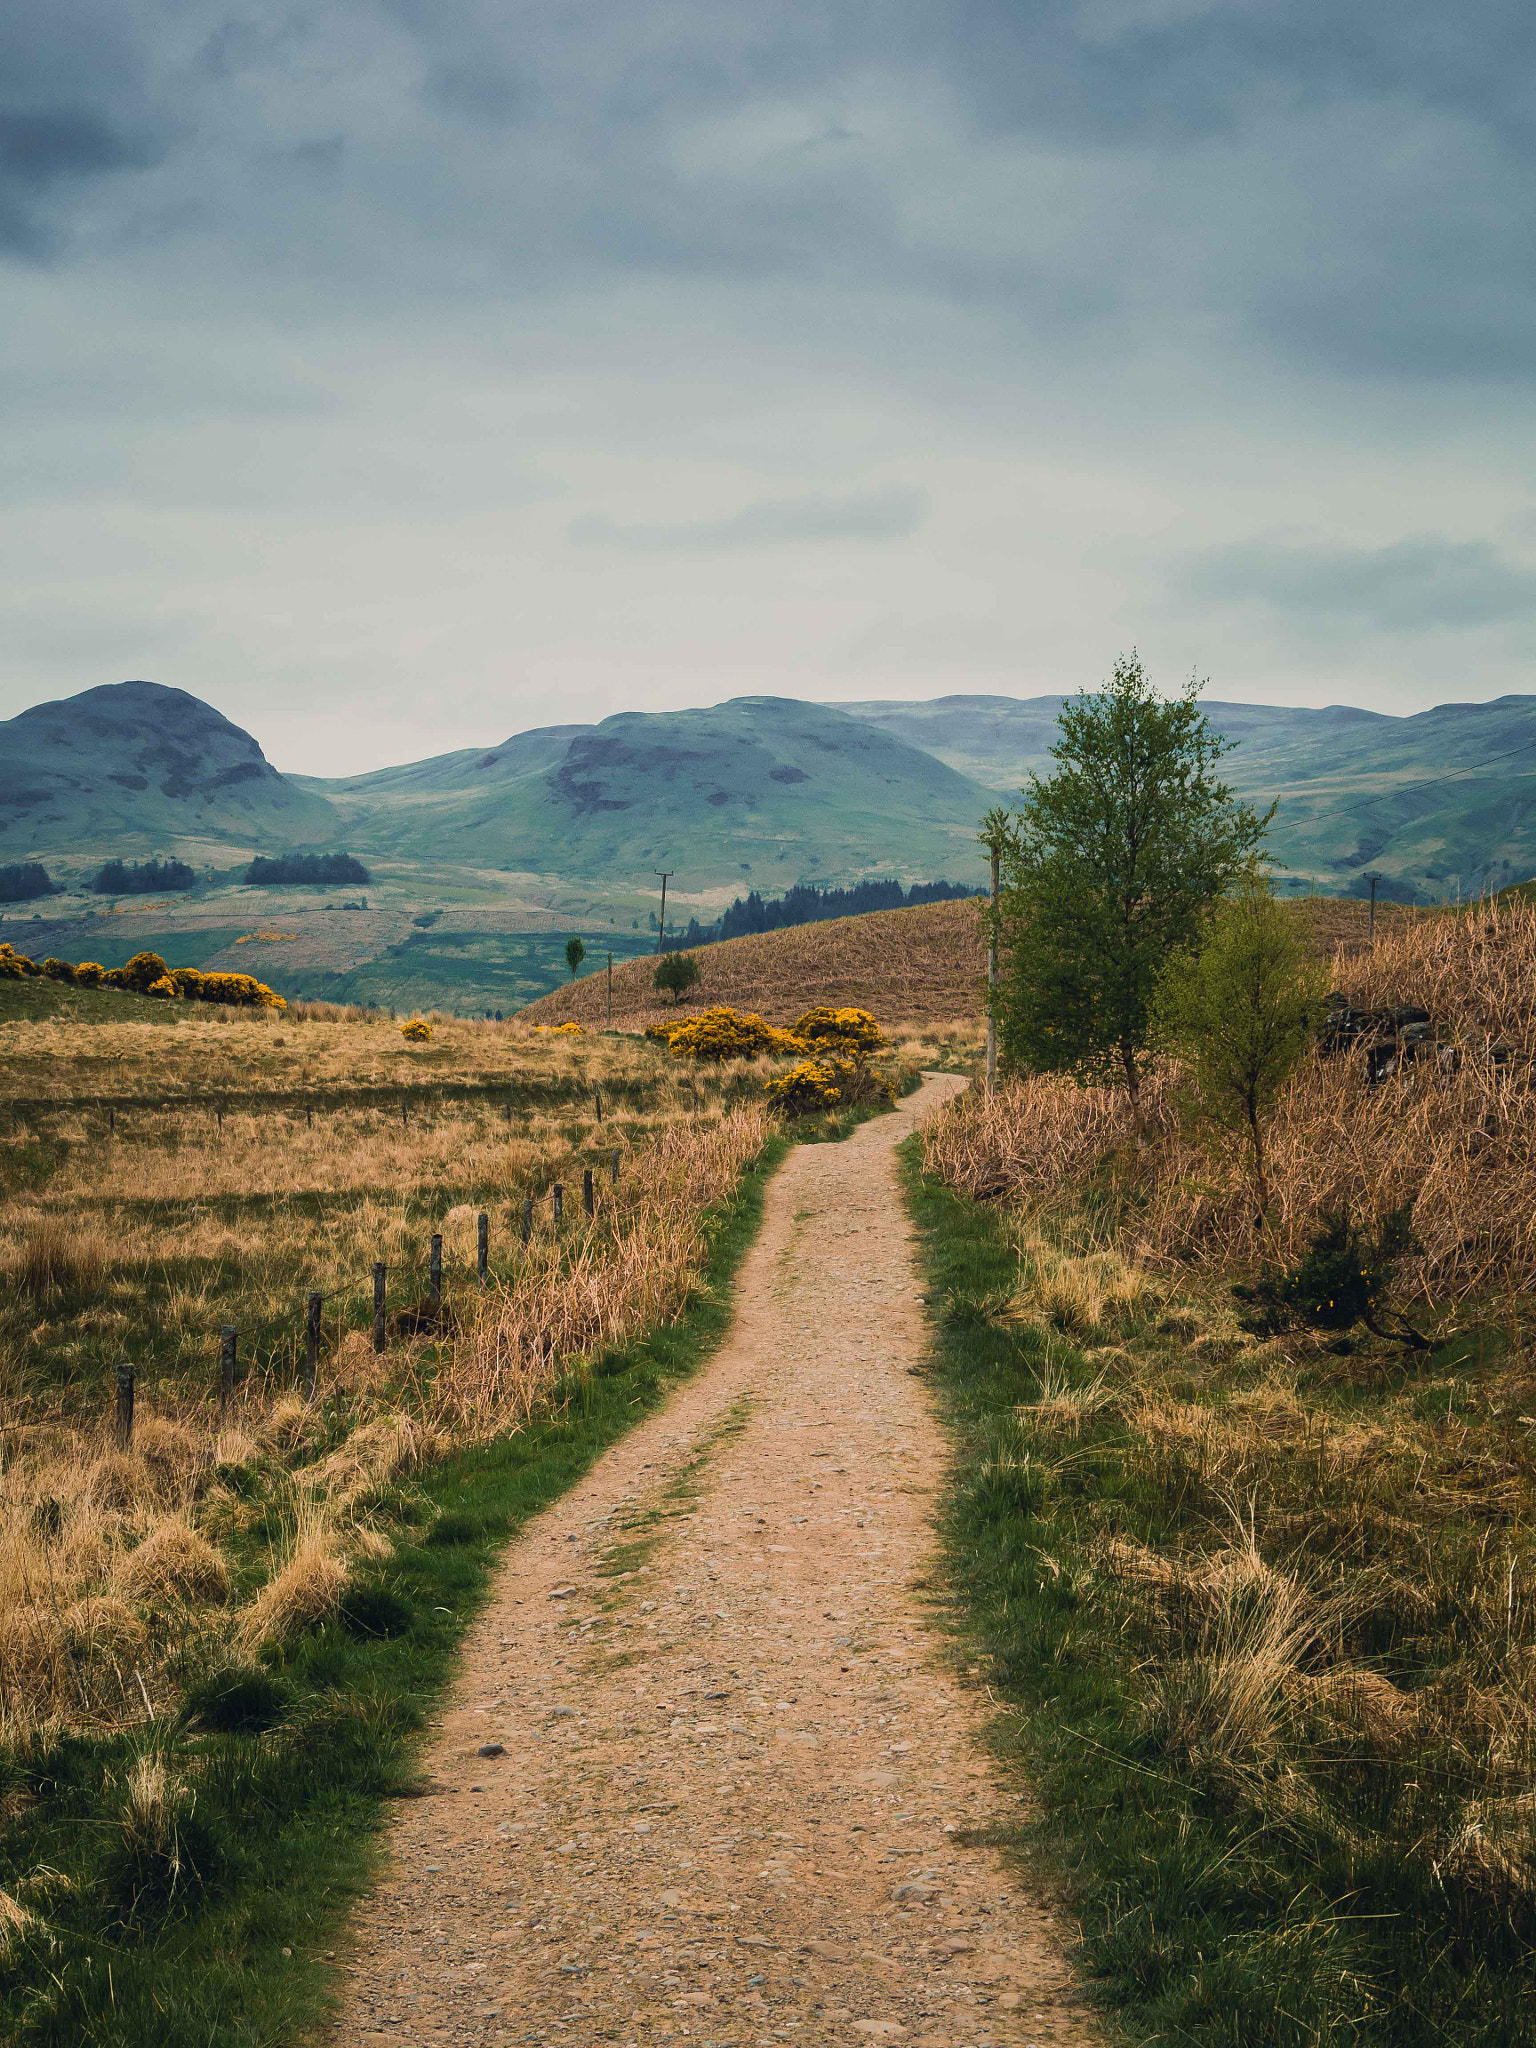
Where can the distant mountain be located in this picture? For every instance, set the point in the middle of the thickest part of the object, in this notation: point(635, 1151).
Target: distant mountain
point(765, 789)
point(135, 768)
point(1439, 803)
point(758, 792)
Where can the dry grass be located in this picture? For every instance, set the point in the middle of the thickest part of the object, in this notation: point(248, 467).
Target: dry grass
point(1460, 1146)
point(114, 1565)
point(927, 964)
point(633, 1272)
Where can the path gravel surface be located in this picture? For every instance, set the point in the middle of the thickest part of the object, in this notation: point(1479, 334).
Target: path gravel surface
point(710, 1772)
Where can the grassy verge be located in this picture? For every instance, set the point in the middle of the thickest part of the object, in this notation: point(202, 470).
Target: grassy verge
point(1238, 1610)
point(178, 1884)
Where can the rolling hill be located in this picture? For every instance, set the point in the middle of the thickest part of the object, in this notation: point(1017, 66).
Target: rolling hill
point(758, 792)
point(134, 768)
point(921, 966)
point(1440, 803)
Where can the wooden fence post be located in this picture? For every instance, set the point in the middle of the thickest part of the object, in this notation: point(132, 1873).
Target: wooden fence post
point(615, 1165)
point(380, 1277)
point(312, 1341)
point(559, 1202)
point(527, 1217)
point(588, 1199)
point(597, 1098)
point(435, 1272)
point(226, 1369)
point(112, 1121)
point(124, 1404)
point(482, 1247)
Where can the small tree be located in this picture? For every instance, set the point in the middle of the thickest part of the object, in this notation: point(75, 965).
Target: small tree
point(1241, 1013)
point(1110, 868)
point(677, 972)
point(575, 953)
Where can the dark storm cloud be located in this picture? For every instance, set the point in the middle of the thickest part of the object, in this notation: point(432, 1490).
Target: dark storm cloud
point(877, 515)
point(1344, 185)
point(1408, 587)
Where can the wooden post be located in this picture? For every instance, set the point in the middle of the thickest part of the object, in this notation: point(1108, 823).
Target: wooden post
point(112, 1121)
point(226, 1369)
point(588, 1198)
point(615, 1165)
point(482, 1247)
point(597, 1099)
point(402, 1113)
point(527, 1217)
point(309, 1118)
point(559, 1202)
point(124, 1404)
point(1370, 936)
point(220, 1115)
point(435, 1272)
point(609, 1019)
point(312, 1341)
point(380, 1279)
point(997, 871)
point(662, 933)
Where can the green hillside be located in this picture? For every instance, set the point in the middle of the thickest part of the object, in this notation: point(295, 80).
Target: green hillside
point(1441, 803)
point(136, 768)
point(760, 792)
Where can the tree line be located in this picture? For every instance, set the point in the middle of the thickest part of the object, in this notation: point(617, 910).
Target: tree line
point(805, 903)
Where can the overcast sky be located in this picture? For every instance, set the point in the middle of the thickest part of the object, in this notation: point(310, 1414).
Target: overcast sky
point(403, 373)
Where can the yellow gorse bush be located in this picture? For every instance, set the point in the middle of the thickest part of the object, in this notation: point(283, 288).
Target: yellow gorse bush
point(850, 1031)
point(416, 1031)
point(571, 1030)
point(809, 1086)
point(146, 974)
point(721, 1033)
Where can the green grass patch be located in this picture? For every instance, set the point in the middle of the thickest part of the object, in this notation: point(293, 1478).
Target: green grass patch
point(1220, 1903)
point(170, 1872)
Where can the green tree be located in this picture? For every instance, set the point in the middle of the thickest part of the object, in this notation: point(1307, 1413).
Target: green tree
point(677, 972)
point(1241, 1012)
point(575, 953)
point(1110, 867)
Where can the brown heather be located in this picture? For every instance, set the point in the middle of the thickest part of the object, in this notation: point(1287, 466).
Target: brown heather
point(1461, 1146)
point(1326, 1615)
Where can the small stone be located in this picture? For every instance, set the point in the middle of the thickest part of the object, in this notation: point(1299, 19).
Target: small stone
point(489, 1749)
point(562, 1713)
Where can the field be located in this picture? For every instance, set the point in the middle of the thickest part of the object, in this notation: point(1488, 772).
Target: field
point(1268, 1595)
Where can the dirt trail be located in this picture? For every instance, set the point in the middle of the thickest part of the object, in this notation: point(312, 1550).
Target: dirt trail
point(741, 1784)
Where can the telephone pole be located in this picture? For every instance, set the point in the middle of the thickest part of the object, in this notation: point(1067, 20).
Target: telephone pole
point(1371, 933)
point(665, 878)
point(610, 990)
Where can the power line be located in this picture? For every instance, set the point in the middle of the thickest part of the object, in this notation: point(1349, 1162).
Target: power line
point(1429, 782)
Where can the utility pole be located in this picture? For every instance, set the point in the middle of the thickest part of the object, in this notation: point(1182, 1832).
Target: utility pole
point(1371, 929)
point(993, 836)
point(665, 878)
point(610, 991)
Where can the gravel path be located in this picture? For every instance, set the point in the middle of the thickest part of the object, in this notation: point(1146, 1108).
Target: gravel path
point(740, 1790)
